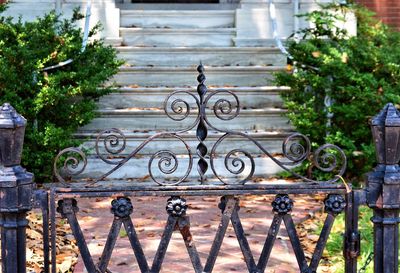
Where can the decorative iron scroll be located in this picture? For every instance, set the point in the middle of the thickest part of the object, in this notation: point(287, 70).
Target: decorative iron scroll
point(296, 148)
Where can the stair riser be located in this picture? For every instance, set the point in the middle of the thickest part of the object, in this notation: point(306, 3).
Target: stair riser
point(188, 78)
point(189, 58)
point(272, 145)
point(175, 39)
point(158, 122)
point(177, 19)
point(137, 168)
point(156, 100)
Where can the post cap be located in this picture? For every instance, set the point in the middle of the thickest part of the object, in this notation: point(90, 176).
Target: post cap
point(9, 118)
point(388, 116)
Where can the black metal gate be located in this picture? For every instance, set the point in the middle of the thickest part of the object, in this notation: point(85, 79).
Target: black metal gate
point(382, 192)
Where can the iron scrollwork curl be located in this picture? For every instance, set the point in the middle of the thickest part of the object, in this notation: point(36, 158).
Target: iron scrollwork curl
point(223, 108)
point(328, 157)
point(114, 142)
point(73, 162)
point(296, 148)
point(168, 162)
point(232, 162)
point(179, 109)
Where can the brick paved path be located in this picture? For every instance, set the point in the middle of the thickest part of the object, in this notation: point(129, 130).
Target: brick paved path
point(149, 218)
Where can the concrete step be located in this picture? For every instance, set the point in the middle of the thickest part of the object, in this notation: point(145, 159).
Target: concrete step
point(165, 37)
point(270, 140)
point(156, 119)
point(142, 97)
point(186, 76)
point(178, 18)
point(188, 56)
point(137, 168)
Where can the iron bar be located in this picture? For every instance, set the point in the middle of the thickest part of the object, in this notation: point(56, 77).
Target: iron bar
point(68, 208)
point(227, 206)
point(323, 238)
point(41, 201)
point(53, 231)
point(110, 244)
point(183, 225)
point(294, 239)
point(136, 246)
point(162, 247)
point(269, 242)
point(243, 243)
point(352, 239)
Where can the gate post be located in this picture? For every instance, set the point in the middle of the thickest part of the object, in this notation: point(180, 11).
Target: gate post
point(16, 187)
point(383, 189)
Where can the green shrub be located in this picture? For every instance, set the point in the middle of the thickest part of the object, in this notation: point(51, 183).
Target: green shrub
point(360, 74)
point(55, 103)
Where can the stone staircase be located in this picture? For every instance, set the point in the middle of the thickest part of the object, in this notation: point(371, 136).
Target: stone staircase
point(162, 49)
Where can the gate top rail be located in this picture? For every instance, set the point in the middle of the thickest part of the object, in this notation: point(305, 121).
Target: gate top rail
point(225, 106)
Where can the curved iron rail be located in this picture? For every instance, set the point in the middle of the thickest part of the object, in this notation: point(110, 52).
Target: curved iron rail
point(296, 148)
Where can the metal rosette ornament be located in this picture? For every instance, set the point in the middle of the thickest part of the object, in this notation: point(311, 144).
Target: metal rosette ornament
point(121, 207)
point(68, 163)
point(334, 204)
point(176, 206)
point(282, 204)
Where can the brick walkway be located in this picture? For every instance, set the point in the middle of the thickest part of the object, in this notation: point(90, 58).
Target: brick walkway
point(149, 218)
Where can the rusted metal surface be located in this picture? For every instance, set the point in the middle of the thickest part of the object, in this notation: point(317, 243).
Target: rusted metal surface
point(238, 162)
point(382, 193)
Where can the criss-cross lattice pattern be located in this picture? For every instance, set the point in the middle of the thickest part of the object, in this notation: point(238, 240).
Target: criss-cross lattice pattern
point(178, 220)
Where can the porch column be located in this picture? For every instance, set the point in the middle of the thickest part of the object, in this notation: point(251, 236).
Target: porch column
point(254, 25)
point(103, 11)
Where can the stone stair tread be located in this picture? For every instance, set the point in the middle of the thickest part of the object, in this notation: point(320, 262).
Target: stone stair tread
point(175, 12)
point(177, 30)
point(143, 134)
point(271, 49)
point(168, 90)
point(210, 55)
point(208, 69)
point(159, 111)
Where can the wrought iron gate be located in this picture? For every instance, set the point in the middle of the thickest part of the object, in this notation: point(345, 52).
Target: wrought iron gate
point(382, 192)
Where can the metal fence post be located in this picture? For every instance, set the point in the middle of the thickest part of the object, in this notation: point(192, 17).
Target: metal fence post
point(16, 188)
point(383, 189)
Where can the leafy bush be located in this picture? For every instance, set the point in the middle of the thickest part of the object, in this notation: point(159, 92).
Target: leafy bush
point(55, 103)
point(360, 74)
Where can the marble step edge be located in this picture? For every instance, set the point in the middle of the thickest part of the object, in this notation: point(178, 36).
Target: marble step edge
point(167, 90)
point(174, 31)
point(144, 134)
point(171, 13)
point(160, 112)
point(228, 49)
point(208, 69)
